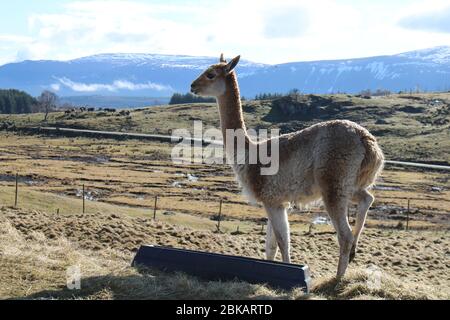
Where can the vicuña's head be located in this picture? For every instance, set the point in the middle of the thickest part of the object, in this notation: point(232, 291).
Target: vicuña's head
point(212, 81)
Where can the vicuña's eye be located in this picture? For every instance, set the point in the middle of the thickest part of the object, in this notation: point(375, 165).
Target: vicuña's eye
point(210, 75)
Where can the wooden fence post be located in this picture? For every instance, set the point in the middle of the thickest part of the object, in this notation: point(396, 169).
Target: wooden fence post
point(84, 200)
point(220, 216)
point(407, 216)
point(154, 207)
point(17, 190)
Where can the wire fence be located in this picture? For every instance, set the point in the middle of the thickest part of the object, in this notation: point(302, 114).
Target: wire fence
point(218, 218)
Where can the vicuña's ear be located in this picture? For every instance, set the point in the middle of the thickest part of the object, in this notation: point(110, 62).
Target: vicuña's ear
point(232, 64)
point(222, 58)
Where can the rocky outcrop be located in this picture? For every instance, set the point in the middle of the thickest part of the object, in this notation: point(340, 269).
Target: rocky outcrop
point(304, 107)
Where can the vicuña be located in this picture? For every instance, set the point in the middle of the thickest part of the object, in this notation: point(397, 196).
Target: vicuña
point(336, 161)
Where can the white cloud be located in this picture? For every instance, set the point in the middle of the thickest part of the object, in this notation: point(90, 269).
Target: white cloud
point(55, 87)
point(434, 19)
point(9, 51)
point(14, 38)
point(287, 22)
point(89, 27)
point(116, 85)
point(262, 31)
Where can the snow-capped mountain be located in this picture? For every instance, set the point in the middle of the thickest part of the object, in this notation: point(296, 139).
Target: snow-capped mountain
point(161, 75)
point(427, 69)
point(437, 54)
point(112, 74)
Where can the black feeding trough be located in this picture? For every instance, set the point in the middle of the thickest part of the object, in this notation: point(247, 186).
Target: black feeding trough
point(213, 266)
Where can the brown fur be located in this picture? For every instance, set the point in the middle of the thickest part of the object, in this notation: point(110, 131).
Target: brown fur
point(373, 162)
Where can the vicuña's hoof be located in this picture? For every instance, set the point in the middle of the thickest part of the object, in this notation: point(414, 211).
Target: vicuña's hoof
point(338, 283)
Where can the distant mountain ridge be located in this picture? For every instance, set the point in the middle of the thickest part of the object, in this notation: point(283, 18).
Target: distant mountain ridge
point(156, 75)
point(98, 101)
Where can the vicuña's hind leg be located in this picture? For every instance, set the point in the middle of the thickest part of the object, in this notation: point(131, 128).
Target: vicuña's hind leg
point(337, 209)
point(278, 219)
point(271, 242)
point(364, 200)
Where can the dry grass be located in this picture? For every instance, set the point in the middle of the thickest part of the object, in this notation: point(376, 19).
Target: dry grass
point(359, 284)
point(36, 249)
point(35, 267)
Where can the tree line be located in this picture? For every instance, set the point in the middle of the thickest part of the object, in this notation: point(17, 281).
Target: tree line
point(274, 96)
point(15, 101)
point(268, 96)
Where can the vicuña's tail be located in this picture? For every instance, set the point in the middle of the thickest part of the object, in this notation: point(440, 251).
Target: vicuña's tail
point(373, 162)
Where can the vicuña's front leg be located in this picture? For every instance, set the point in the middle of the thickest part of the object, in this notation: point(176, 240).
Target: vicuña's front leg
point(278, 220)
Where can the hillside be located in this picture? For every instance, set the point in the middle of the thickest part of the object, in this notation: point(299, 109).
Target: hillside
point(155, 75)
point(413, 127)
point(37, 248)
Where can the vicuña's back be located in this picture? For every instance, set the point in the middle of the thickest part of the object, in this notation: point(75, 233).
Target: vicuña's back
point(337, 161)
point(311, 159)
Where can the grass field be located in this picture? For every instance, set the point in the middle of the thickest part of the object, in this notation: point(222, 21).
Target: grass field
point(122, 178)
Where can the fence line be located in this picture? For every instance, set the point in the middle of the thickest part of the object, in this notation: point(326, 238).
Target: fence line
point(218, 217)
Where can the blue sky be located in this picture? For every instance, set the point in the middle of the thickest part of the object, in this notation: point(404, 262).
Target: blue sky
point(262, 31)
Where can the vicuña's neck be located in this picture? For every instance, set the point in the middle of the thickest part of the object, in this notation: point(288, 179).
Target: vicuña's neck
point(230, 107)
